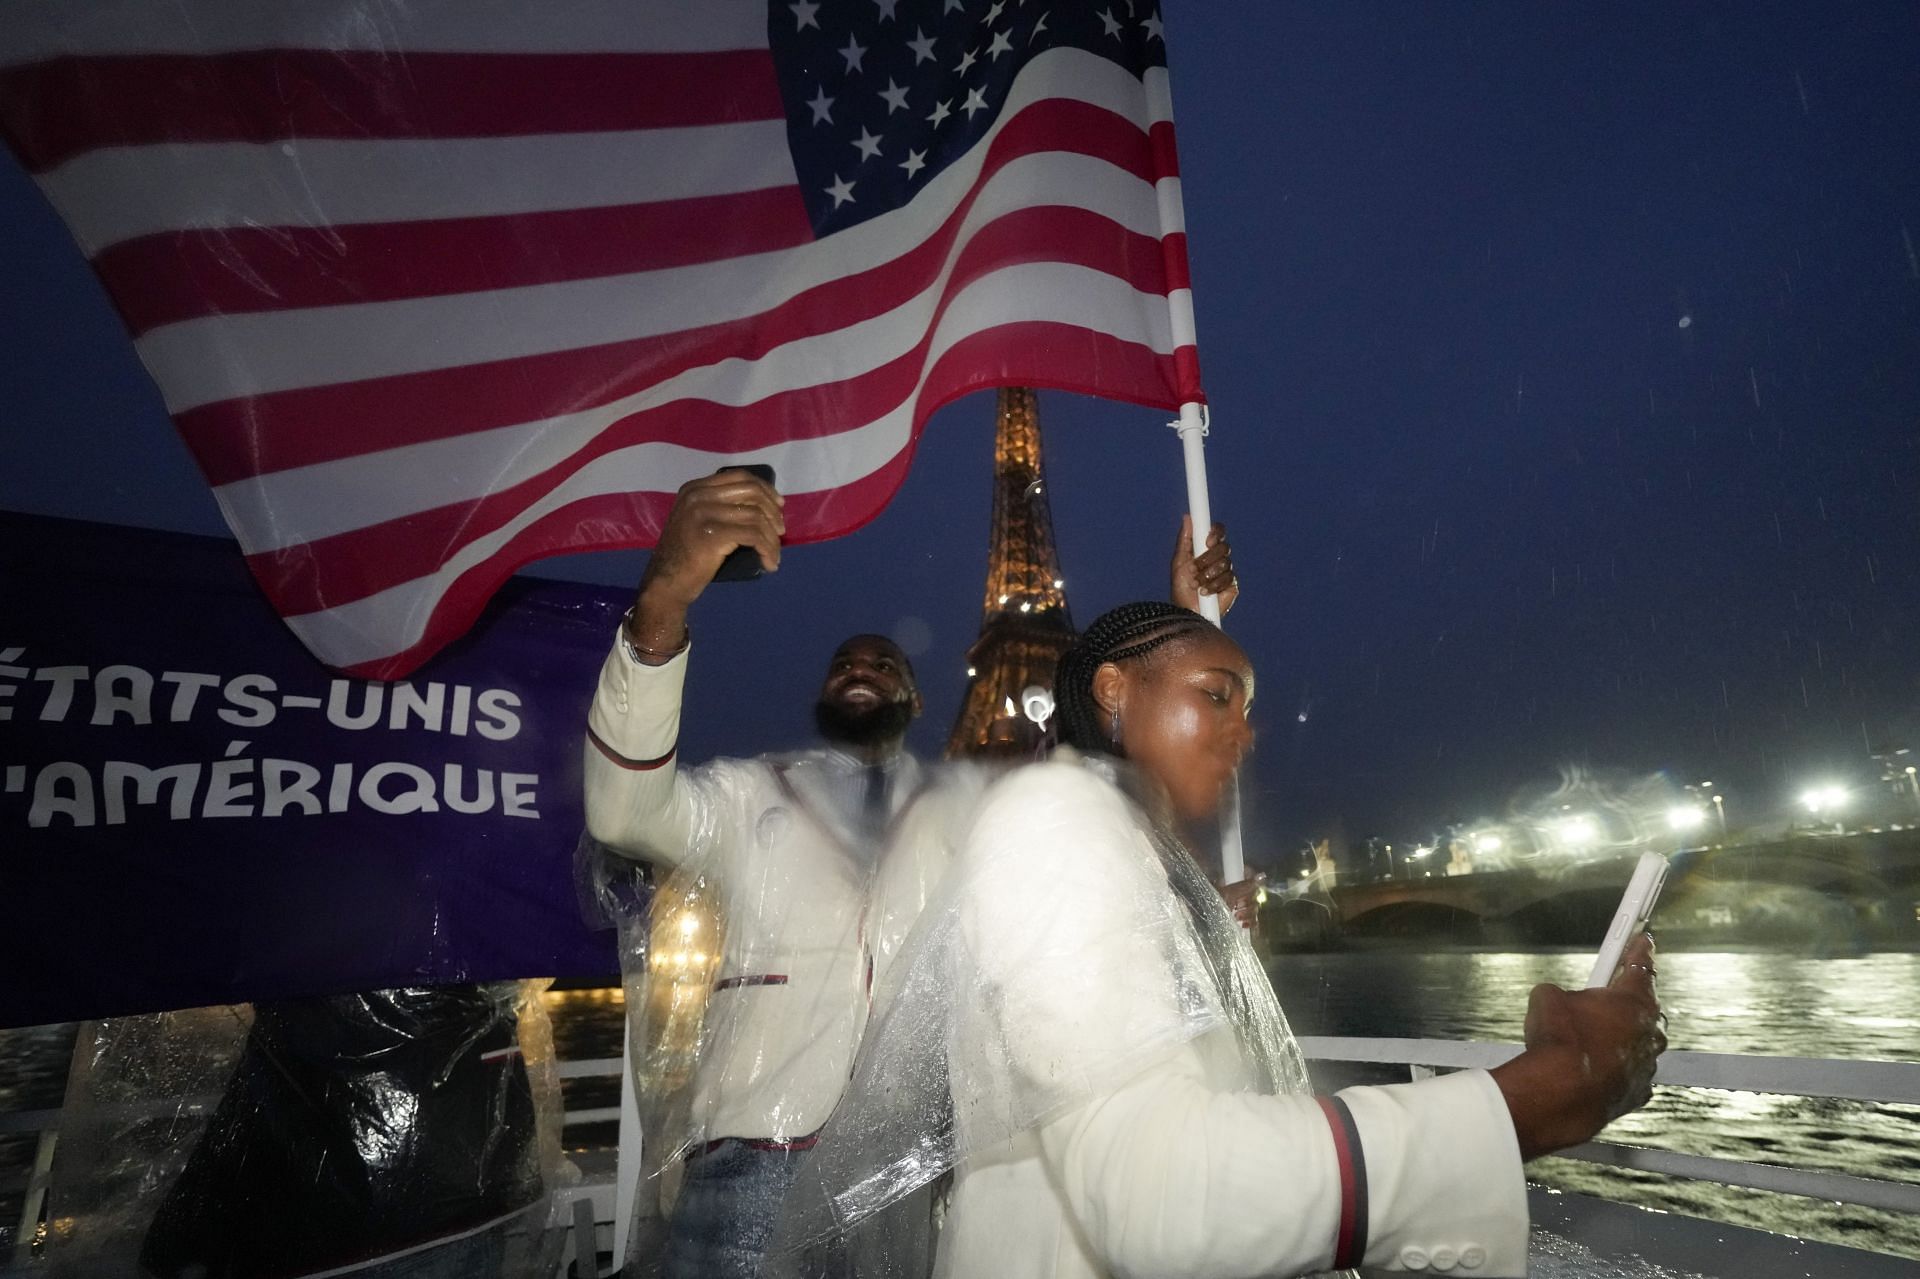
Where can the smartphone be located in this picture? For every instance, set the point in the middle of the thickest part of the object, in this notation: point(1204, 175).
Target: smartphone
point(743, 564)
point(1636, 908)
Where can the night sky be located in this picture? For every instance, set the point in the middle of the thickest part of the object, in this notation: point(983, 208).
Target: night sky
point(1565, 362)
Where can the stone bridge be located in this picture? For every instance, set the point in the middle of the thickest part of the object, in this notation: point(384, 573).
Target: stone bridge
point(1869, 876)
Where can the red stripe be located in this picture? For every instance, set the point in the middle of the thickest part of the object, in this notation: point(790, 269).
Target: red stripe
point(311, 575)
point(180, 275)
point(807, 1142)
point(1186, 376)
point(751, 979)
point(633, 765)
point(594, 524)
point(1343, 1240)
point(1057, 357)
point(1166, 156)
point(58, 109)
point(234, 439)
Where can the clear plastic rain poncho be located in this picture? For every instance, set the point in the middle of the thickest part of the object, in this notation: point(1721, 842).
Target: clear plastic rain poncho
point(783, 890)
point(306, 1135)
point(1073, 945)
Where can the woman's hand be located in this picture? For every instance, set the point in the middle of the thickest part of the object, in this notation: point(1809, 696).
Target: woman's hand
point(1243, 898)
point(1590, 1057)
point(1210, 573)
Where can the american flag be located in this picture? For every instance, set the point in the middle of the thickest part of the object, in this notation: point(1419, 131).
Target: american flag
point(436, 288)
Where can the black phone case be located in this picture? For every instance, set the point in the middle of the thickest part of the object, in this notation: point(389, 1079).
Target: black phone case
point(743, 565)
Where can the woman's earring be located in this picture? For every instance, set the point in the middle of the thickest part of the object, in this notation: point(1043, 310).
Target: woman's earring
point(1113, 731)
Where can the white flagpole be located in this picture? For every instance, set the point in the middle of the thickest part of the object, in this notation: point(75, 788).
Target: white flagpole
point(1192, 429)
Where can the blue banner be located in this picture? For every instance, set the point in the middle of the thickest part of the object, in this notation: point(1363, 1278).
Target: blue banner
point(193, 811)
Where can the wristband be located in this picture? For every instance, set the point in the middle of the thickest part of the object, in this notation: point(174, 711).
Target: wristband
point(638, 653)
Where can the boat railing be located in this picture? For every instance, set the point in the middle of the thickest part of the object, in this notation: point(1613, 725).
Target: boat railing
point(1871, 1081)
point(590, 1215)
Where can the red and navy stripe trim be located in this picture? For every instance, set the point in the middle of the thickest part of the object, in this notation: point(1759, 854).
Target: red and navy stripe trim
point(1350, 1243)
point(751, 979)
point(807, 1142)
point(636, 765)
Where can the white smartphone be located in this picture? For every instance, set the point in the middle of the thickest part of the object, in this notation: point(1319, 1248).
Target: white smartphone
point(1636, 908)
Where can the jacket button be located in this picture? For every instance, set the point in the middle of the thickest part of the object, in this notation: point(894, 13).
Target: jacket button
point(1445, 1258)
point(1472, 1257)
point(1413, 1258)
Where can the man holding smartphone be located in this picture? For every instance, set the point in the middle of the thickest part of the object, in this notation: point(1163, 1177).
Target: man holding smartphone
point(787, 847)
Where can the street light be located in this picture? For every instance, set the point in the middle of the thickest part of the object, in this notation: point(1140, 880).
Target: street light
point(1486, 842)
point(1720, 811)
point(1685, 817)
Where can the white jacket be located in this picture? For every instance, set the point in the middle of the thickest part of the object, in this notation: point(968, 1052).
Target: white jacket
point(792, 877)
point(1181, 1169)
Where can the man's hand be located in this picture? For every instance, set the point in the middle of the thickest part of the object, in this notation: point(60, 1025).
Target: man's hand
point(1211, 573)
point(1590, 1057)
point(710, 518)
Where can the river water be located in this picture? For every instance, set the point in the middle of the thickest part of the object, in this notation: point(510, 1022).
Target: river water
point(1773, 1004)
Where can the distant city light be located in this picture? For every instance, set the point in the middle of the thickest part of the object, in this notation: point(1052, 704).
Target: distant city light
point(1822, 799)
point(1058, 583)
point(971, 672)
point(1578, 829)
point(1420, 851)
point(1685, 817)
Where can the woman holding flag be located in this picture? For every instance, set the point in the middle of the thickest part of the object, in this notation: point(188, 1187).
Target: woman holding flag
point(1081, 1032)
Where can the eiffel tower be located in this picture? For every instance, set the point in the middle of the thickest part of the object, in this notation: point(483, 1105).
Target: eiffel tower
point(1024, 624)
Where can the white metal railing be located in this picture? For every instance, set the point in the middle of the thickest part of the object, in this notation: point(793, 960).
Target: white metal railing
point(1880, 1081)
point(596, 1211)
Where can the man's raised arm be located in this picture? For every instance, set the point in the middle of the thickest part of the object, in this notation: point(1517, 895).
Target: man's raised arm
point(636, 799)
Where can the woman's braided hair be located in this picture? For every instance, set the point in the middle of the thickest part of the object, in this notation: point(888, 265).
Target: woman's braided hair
point(1122, 634)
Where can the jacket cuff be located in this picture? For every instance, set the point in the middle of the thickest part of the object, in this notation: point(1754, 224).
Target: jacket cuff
point(635, 717)
point(1441, 1150)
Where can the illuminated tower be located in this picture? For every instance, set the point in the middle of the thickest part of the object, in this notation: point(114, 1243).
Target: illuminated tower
point(1024, 625)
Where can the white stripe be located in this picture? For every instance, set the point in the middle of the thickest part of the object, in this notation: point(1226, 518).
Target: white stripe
point(1180, 317)
point(40, 29)
point(1159, 94)
point(119, 193)
point(305, 503)
point(394, 619)
point(221, 357)
point(333, 496)
point(1173, 207)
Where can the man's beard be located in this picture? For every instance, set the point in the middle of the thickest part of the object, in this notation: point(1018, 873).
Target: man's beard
point(862, 727)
